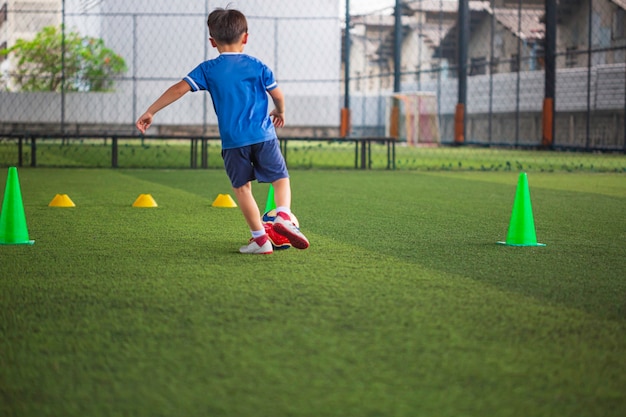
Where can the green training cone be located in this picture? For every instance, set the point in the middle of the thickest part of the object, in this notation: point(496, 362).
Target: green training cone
point(13, 230)
point(270, 204)
point(522, 225)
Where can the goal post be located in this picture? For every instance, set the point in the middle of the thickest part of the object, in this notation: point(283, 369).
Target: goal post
point(413, 118)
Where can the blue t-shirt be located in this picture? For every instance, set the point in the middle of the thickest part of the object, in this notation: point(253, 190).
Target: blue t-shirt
point(238, 84)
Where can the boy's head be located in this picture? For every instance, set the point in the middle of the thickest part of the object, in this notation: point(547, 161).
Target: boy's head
point(227, 26)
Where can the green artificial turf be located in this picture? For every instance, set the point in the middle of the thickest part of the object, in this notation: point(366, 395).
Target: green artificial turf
point(404, 305)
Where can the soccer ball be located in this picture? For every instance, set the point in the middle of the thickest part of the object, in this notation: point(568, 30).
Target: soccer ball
point(278, 241)
point(269, 216)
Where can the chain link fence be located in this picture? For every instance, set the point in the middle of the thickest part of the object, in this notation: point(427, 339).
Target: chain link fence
point(76, 74)
point(497, 54)
point(160, 42)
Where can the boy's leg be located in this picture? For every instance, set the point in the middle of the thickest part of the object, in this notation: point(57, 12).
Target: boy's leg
point(283, 224)
point(270, 167)
point(250, 210)
point(282, 192)
point(248, 206)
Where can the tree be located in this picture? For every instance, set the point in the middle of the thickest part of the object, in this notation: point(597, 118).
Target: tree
point(88, 65)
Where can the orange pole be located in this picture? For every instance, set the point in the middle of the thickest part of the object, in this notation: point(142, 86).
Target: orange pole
point(459, 124)
point(394, 122)
point(344, 129)
point(548, 122)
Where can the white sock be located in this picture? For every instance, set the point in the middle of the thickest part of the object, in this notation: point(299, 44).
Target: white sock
point(257, 233)
point(283, 209)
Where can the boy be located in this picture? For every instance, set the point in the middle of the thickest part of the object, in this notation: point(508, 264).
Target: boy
point(239, 85)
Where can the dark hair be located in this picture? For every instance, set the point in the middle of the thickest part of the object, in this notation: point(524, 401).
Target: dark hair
point(227, 25)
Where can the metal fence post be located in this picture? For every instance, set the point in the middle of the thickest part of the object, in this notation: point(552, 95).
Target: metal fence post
point(283, 148)
point(464, 34)
point(114, 152)
point(345, 111)
point(519, 72)
point(363, 154)
point(204, 153)
point(20, 156)
point(589, 61)
point(193, 163)
point(33, 151)
point(550, 75)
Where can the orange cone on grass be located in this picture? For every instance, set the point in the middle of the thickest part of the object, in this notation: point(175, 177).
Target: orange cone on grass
point(13, 229)
point(61, 200)
point(522, 225)
point(224, 200)
point(145, 201)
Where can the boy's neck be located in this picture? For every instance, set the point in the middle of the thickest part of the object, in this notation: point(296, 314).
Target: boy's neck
point(234, 48)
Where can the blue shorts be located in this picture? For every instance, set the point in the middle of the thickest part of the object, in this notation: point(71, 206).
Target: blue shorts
point(262, 162)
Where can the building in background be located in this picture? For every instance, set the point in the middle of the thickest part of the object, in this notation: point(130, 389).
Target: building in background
point(424, 24)
point(505, 67)
point(505, 36)
point(608, 21)
point(429, 41)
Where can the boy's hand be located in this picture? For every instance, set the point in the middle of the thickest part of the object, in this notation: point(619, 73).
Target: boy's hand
point(277, 118)
point(168, 97)
point(144, 122)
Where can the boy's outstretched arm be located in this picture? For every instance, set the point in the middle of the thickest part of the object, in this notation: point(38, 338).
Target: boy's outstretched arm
point(278, 114)
point(168, 97)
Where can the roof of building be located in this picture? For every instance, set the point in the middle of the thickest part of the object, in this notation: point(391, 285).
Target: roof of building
point(433, 6)
point(528, 25)
point(566, 6)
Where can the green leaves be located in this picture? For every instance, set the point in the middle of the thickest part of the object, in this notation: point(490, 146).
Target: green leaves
point(44, 63)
